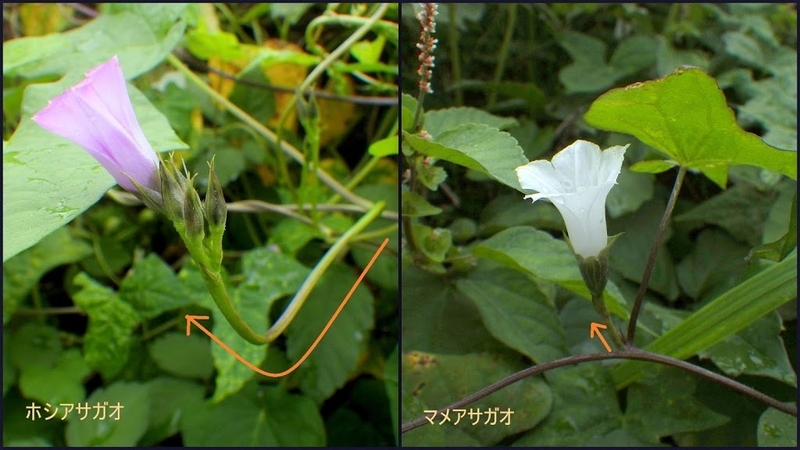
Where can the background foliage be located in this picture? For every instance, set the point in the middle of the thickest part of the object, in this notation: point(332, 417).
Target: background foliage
point(494, 289)
point(94, 310)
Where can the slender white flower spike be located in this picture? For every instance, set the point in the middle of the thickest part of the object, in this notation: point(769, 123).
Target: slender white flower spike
point(577, 182)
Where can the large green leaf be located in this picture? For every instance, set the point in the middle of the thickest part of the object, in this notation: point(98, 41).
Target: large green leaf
point(48, 180)
point(21, 273)
point(170, 399)
point(476, 146)
point(685, 116)
point(441, 120)
point(131, 401)
point(336, 357)
point(536, 252)
point(437, 318)
point(439, 380)
point(723, 317)
point(777, 429)
point(585, 406)
point(663, 404)
point(590, 73)
point(516, 313)
point(257, 416)
point(757, 350)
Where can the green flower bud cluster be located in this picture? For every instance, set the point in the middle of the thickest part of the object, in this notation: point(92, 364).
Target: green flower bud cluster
point(192, 218)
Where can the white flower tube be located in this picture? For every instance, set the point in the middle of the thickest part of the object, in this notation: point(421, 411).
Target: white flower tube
point(577, 182)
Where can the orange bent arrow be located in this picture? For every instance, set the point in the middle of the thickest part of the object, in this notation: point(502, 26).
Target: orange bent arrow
point(190, 319)
point(595, 328)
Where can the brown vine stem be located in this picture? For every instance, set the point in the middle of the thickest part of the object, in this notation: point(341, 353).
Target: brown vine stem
point(651, 258)
point(631, 353)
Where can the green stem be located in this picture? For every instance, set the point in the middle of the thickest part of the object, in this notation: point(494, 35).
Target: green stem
point(313, 278)
point(600, 306)
point(341, 49)
point(264, 131)
point(651, 259)
point(216, 285)
point(379, 233)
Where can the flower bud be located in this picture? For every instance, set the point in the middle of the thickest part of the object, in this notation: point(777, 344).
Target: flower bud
point(307, 110)
point(594, 269)
point(193, 212)
point(150, 197)
point(215, 208)
point(172, 192)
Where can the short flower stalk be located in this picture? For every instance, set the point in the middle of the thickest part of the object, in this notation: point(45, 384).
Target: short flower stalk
point(577, 181)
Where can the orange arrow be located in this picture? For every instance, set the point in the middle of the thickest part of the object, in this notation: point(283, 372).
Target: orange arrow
point(190, 319)
point(595, 328)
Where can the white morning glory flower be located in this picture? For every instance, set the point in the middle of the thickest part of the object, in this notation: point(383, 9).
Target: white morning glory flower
point(577, 182)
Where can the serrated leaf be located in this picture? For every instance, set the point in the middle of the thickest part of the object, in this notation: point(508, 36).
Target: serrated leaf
point(685, 116)
point(414, 205)
point(433, 243)
point(125, 432)
point(430, 175)
point(183, 356)
point(442, 120)
point(439, 379)
point(516, 313)
point(336, 357)
point(152, 288)
point(478, 147)
point(108, 339)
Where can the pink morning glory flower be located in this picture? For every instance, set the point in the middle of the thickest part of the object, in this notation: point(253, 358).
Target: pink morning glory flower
point(97, 115)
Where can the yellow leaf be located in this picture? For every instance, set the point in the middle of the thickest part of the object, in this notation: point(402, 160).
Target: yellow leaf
point(336, 116)
point(285, 75)
point(39, 19)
